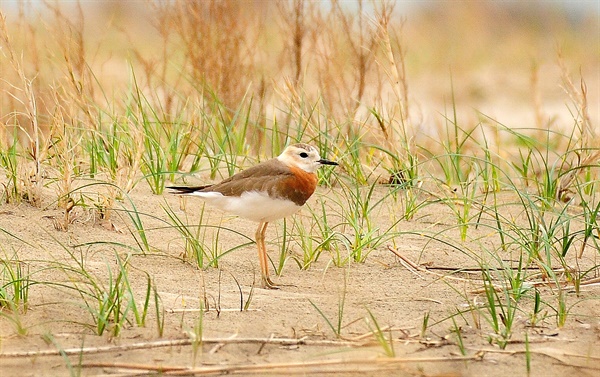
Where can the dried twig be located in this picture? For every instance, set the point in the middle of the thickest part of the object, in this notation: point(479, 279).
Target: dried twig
point(266, 367)
point(410, 265)
point(178, 342)
point(413, 267)
point(553, 353)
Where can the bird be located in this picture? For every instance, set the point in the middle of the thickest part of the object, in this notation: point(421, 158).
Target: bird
point(266, 192)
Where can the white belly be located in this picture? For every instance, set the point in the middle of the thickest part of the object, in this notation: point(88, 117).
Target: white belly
point(253, 205)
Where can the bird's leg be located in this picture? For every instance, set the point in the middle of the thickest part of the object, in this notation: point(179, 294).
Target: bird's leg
point(262, 256)
point(259, 245)
point(269, 282)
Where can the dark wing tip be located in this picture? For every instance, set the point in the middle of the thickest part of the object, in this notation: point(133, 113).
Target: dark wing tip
point(182, 190)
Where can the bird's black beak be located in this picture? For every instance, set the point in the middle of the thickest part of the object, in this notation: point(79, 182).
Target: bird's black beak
point(327, 162)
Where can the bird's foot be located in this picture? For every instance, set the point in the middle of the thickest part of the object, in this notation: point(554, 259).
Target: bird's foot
point(267, 283)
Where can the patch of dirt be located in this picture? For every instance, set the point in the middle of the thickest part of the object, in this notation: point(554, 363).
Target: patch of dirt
point(283, 331)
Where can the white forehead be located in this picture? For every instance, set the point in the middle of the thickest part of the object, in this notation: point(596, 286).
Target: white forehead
point(303, 156)
point(299, 149)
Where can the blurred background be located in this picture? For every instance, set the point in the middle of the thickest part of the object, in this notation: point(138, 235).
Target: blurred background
point(507, 60)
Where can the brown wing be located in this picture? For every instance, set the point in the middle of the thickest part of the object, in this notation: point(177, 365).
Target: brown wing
point(261, 177)
point(255, 178)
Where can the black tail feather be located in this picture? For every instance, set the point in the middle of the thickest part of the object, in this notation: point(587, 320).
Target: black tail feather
point(186, 189)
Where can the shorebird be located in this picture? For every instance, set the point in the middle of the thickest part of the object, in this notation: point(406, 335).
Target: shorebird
point(271, 190)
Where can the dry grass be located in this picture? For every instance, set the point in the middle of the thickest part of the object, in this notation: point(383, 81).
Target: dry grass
point(350, 59)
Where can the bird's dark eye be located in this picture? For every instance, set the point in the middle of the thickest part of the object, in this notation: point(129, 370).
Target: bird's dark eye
point(303, 154)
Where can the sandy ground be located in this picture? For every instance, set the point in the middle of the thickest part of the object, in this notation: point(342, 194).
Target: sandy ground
point(282, 332)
